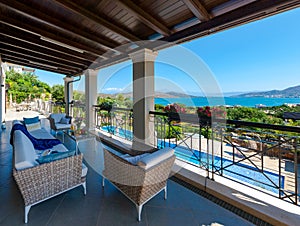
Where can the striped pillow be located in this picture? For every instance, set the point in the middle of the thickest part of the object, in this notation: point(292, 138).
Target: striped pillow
point(33, 126)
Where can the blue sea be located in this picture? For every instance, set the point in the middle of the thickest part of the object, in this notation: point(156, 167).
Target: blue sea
point(215, 101)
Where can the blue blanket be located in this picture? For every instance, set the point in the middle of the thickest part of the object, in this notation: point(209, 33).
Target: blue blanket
point(39, 144)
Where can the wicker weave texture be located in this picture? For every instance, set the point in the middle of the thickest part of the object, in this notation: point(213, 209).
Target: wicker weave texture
point(135, 182)
point(45, 180)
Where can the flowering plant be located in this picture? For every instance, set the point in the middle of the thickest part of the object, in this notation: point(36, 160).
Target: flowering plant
point(173, 111)
point(204, 111)
point(174, 108)
point(78, 120)
point(205, 114)
point(208, 112)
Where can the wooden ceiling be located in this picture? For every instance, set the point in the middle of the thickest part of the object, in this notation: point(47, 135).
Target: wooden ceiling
point(69, 36)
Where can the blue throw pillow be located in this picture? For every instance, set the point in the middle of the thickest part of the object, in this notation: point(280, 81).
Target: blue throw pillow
point(55, 156)
point(31, 120)
point(65, 120)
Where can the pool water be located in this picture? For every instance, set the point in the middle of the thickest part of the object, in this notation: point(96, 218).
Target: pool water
point(239, 171)
point(118, 132)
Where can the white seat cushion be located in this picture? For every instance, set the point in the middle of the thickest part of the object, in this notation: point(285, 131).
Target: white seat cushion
point(155, 158)
point(41, 134)
point(62, 126)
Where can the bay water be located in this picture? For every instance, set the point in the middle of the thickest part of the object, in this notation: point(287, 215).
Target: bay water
point(232, 101)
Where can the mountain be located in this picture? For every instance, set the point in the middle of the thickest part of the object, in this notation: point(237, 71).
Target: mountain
point(291, 92)
point(159, 94)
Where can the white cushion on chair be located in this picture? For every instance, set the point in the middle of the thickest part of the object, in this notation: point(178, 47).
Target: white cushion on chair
point(57, 116)
point(24, 151)
point(155, 158)
point(84, 170)
point(62, 126)
point(133, 159)
point(41, 134)
point(33, 126)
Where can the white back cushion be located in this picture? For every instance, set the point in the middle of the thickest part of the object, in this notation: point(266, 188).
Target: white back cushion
point(16, 122)
point(25, 154)
point(57, 116)
point(33, 126)
point(155, 158)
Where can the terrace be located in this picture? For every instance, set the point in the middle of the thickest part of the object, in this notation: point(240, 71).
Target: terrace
point(76, 41)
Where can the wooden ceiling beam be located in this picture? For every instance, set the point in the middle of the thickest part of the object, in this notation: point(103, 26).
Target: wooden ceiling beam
point(144, 17)
point(229, 6)
point(40, 60)
point(25, 53)
point(70, 5)
point(59, 25)
point(42, 32)
point(24, 63)
point(197, 9)
point(24, 36)
point(9, 42)
point(242, 15)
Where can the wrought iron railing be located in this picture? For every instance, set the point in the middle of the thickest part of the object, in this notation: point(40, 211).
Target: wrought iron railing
point(78, 113)
point(115, 121)
point(57, 107)
point(262, 156)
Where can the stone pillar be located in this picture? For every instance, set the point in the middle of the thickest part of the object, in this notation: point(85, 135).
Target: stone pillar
point(68, 93)
point(143, 97)
point(90, 97)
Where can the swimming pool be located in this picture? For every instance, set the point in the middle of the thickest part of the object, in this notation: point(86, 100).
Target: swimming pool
point(127, 134)
point(239, 171)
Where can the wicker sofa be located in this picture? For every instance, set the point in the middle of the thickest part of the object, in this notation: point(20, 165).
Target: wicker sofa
point(39, 182)
point(139, 178)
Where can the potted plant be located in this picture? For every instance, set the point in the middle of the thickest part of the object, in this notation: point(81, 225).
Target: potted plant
point(206, 114)
point(106, 106)
point(173, 111)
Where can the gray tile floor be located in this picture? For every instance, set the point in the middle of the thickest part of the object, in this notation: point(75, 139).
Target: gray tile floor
point(105, 206)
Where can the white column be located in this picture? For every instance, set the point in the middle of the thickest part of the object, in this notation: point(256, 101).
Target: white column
point(68, 92)
point(90, 97)
point(2, 93)
point(143, 96)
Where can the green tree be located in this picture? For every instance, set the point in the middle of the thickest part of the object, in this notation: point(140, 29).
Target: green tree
point(25, 85)
point(58, 93)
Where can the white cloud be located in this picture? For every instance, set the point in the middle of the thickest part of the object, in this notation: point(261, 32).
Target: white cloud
point(112, 90)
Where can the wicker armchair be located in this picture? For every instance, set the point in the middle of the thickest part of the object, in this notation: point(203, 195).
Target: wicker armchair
point(56, 124)
point(135, 182)
point(47, 180)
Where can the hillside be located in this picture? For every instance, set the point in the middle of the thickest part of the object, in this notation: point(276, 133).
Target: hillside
point(291, 92)
point(157, 94)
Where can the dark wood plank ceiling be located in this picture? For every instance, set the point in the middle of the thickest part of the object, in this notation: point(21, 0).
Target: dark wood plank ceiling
point(69, 36)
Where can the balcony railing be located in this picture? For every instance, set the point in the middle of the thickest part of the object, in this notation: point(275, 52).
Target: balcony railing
point(115, 121)
point(262, 156)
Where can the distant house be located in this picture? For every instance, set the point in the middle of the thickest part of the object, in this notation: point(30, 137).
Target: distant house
point(18, 68)
point(291, 115)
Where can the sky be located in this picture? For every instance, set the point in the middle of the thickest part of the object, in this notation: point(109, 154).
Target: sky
point(259, 56)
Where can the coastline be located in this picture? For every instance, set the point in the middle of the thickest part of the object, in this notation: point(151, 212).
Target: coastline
point(228, 101)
